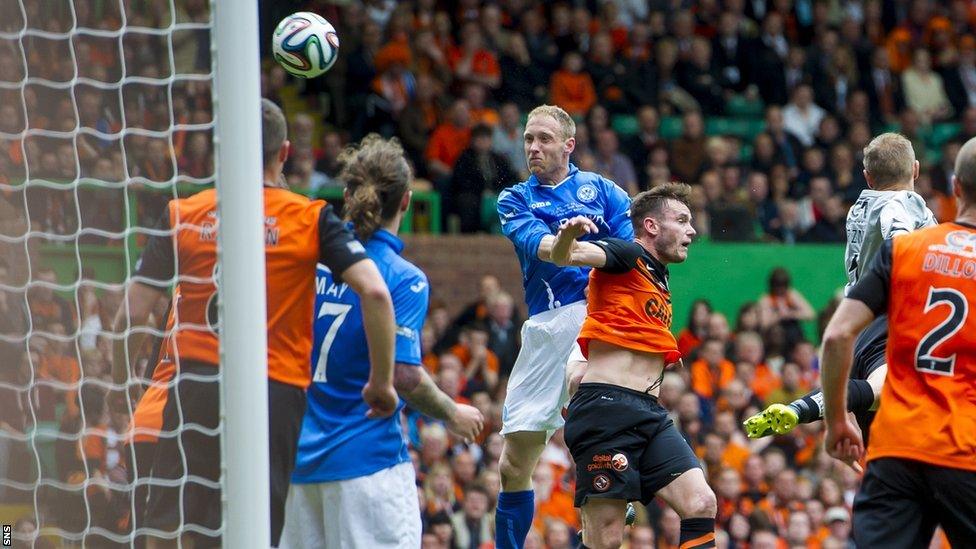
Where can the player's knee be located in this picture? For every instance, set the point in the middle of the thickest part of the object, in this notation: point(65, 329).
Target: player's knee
point(512, 470)
point(608, 535)
point(700, 503)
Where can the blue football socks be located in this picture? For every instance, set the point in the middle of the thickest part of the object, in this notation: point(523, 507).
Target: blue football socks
point(513, 519)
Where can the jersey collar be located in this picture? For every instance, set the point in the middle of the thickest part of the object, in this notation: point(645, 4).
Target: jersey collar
point(573, 170)
point(389, 239)
point(656, 265)
point(382, 235)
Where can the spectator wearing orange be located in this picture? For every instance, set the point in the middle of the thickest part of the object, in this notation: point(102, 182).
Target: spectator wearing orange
point(712, 372)
point(754, 485)
point(59, 365)
point(429, 59)
point(451, 378)
point(45, 306)
point(480, 364)
point(735, 452)
point(782, 500)
point(551, 503)
point(799, 531)
point(472, 61)
point(481, 113)
point(785, 306)
point(571, 88)
point(465, 470)
point(728, 491)
point(899, 46)
point(449, 140)
point(394, 83)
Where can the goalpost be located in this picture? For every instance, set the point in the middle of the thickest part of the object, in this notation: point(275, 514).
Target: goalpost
point(238, 94)
point(100, 118)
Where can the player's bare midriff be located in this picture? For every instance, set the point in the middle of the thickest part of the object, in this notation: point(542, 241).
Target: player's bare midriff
point(623, 367)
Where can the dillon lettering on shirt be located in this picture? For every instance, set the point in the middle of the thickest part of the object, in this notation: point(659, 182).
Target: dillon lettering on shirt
point(955, 267)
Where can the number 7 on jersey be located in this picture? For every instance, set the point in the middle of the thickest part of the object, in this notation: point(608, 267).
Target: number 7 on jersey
point(339, 311)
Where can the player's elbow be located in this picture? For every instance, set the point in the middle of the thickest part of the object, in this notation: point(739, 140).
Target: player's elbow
point(560, 261)
point(838, 334)
point(375, 295)
point(406, 378)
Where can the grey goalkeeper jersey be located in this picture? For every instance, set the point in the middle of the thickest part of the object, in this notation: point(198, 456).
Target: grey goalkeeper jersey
point(876, 217)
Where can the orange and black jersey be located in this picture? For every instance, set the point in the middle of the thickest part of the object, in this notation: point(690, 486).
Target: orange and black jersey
point(926, 282)
point(629, 304)
point(299, 233)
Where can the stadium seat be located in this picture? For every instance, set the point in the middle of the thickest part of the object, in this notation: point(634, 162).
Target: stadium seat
point(624, 124)
point(942, 133)
point(741, 107)
point(671, 127)
point(745, 128)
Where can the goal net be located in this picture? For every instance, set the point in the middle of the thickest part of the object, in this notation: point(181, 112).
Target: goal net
point(106, 114)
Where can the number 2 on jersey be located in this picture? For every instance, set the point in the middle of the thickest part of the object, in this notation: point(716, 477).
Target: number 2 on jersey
point(925, 360)
point(339, 311)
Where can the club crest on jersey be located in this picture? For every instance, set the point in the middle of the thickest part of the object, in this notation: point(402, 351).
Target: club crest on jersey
point(619, 462)
point(586, 193)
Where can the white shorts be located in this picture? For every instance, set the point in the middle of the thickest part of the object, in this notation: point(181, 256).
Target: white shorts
point(537, 388)
point(379, 510)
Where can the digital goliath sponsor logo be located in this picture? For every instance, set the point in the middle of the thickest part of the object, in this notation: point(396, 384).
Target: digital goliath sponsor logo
point(586, 193)
point(599, 461)
point(619, 462)
point(601, 483)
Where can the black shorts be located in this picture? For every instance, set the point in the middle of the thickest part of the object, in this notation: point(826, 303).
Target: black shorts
point(195, 504)
point(901, 501)
point(624, 444)
point(870, 348)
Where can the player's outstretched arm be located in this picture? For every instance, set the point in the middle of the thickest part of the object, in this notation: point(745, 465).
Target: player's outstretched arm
point(843, 439)
point(420, 392)
point(566, 250)
point(134, 311)
point(380, 326)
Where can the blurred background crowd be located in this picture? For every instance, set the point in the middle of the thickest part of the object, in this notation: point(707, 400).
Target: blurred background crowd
point(762, 106)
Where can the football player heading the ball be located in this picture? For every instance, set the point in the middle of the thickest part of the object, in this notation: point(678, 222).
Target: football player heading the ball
point(531, 213)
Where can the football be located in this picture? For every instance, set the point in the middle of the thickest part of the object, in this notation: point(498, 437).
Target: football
point(305, 44)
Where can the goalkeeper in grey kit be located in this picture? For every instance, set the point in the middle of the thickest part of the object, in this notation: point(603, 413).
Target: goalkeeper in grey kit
point(888, 208)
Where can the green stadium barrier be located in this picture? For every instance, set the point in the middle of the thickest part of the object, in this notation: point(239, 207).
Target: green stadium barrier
point(729, 275)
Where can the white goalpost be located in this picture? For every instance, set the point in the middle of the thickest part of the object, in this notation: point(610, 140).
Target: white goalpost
point(102, 107)
point(244, 346)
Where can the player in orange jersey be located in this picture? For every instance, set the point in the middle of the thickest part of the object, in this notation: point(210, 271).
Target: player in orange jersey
point(922, 456)
point(300, 233)
point(624, 445)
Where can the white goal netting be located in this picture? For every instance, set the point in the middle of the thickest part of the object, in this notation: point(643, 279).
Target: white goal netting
point(105, 114)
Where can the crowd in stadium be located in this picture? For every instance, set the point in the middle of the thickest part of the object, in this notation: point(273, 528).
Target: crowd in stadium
point(764, 107)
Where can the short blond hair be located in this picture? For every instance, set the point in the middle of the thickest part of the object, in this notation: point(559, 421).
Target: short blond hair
point(561, 117)
point(889, 159)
